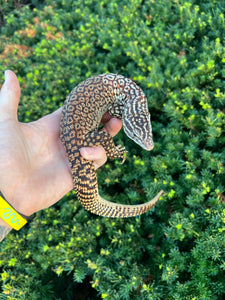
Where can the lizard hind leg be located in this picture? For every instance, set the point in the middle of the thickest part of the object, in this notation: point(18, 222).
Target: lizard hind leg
point(104, 139)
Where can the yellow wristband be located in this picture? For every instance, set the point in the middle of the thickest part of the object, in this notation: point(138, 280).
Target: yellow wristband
point(10, 215)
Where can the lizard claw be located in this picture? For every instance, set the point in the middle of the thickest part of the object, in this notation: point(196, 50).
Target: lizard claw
point(120, 153)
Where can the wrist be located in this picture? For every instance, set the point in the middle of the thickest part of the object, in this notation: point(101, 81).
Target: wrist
point(10, 215)
point(4, 229)
point(4, 224)
point(16, 201)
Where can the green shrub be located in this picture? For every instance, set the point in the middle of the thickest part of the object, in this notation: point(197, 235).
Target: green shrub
point(175, 51)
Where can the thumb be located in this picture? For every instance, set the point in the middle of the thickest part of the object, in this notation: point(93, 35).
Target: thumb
point(9, 96)
point(96, 154)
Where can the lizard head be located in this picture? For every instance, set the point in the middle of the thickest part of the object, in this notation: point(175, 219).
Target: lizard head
point(137, 123)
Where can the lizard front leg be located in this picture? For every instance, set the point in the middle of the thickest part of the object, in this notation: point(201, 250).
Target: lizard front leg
point(97, 138)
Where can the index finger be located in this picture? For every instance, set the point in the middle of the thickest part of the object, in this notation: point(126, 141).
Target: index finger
point(113, 126)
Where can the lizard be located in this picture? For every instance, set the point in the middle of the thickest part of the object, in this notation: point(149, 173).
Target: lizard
point(80, 118)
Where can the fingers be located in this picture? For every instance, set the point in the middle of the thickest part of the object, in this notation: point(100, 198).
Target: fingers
point(105, 118)
point(96, 154)
point(54, 118)
point(9, 96)
point(52, 122)
point(113, 126)
point(56, 115)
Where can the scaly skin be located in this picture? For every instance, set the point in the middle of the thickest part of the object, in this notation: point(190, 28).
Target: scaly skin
point(81, 116)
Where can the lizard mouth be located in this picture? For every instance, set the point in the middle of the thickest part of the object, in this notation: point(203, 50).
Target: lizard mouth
point(147, 145)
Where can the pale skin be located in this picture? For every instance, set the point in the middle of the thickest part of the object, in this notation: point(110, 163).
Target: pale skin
point(34, 169)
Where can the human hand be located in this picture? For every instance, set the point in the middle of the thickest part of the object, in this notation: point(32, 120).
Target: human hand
point(34, 169)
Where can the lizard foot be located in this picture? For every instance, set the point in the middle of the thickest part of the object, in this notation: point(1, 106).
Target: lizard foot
point(119, 153)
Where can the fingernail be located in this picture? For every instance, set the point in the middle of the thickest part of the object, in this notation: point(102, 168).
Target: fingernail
point(87, 151)
point(6, 74)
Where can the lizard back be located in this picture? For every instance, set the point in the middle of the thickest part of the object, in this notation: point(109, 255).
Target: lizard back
point(81, 115)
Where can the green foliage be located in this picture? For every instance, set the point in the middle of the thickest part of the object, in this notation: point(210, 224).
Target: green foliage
point(175, 51)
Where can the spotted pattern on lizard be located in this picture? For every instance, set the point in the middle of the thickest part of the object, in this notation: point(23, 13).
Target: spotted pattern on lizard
point(81, 115)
